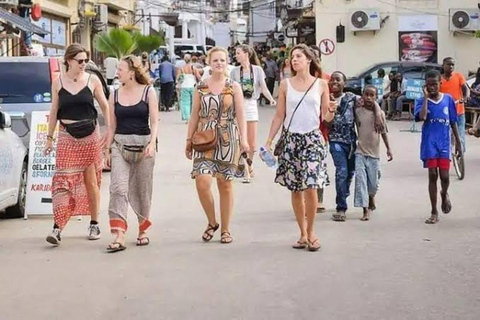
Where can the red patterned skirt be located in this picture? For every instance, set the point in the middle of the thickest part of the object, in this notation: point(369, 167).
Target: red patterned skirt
point(73, 156)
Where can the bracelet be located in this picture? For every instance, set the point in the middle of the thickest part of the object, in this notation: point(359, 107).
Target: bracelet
point(50, 138)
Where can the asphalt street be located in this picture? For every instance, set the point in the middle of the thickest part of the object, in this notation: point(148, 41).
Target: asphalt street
point(392, 267)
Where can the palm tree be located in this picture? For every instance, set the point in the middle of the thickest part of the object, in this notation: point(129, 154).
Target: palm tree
point(147, 43)
point(116, 43)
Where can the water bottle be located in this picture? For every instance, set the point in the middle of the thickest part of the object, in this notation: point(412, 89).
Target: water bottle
point(268, 158)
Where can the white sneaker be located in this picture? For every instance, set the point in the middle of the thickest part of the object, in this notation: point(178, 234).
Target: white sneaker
point(93, 232)
point(54, 237)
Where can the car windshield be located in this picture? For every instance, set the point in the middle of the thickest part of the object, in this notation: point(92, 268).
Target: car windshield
point(24, 82)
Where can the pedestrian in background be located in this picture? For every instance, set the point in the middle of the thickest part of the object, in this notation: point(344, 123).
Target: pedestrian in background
point(130, 151)
point(285, 69)
point(302, 100)
point(187, 79)
point(455, 85)
point(251, 78)
point(78, 168)
point(110, 64)
point(438, 112)
point(167, 82)
point(271, 74)
point(367, 155)
point(217, 105)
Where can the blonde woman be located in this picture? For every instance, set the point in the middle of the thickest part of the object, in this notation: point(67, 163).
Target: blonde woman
point(78, 169)
point(251, 78)
point(217, 104)
point(303, 100)
point(131, 151)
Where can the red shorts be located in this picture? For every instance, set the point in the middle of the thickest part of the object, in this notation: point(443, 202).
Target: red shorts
point(440, 163)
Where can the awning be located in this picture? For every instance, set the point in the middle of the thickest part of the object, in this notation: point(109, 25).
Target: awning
point(20, 23)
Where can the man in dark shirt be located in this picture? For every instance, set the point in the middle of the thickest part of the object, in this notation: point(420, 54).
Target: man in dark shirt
point(271, 71)
point(167, 81)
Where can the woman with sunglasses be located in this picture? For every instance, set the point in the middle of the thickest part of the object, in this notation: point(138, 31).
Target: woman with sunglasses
point(131, 151)
point(78, 170)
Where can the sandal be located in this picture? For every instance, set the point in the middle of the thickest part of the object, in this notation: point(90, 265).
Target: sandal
point(226, 237)
point(314, 245)
point(339, 216)
point(144, 241)
point(115, 247)
point(207, 235)
point(446, 204)
point(432, 220)
point(300, 245)
point(321, 209)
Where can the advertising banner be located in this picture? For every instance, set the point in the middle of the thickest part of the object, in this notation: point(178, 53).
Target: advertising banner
point(418, 38)
point(40, 167)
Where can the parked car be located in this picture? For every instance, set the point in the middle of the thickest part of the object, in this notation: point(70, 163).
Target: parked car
point(409, 70)
point(189, 48)
point(13, 170)
point(25, 86)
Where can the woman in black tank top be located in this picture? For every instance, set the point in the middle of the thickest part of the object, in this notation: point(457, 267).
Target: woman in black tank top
point(131, 151)
point(76, 182)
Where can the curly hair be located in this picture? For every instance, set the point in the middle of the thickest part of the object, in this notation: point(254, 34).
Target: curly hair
point(315, 68)
point(71, 53)
point(252, 55)
point(135, 65)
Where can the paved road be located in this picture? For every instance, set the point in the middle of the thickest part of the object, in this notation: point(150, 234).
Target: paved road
point(393, 267)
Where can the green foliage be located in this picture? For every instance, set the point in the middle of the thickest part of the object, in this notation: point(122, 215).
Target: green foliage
point(116, 43)
point(477, 34)
point(147, 43)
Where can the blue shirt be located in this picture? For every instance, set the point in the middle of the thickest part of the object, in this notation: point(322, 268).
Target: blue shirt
point(436, 128)
point(167, 72)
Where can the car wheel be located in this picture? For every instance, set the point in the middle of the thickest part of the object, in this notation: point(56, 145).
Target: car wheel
point(18, 210)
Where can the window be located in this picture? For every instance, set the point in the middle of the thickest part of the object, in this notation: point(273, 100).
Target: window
point(24, 82)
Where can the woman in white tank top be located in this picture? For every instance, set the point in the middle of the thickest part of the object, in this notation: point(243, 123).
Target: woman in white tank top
point(300, 162)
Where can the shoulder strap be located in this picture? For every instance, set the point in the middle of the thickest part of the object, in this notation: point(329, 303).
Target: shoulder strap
point(145, 93)
point(115, 96)
point(88, 80)
point(61, 83)
point(300, 102)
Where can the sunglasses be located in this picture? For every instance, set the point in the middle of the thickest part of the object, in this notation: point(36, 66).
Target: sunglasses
point(81, 61)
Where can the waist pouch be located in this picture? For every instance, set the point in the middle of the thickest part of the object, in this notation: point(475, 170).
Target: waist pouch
point(80, 129)
point(131, 153)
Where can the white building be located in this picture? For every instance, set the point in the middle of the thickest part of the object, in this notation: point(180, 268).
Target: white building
point(392, 30)
point(262, 20)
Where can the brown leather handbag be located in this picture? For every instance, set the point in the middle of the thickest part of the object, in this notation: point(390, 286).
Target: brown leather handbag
point(206, 140)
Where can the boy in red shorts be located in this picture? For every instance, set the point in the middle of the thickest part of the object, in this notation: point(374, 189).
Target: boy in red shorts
point(438, 112)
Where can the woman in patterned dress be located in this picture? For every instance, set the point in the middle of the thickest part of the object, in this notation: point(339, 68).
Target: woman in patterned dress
point(300, 164)
point(216, 93)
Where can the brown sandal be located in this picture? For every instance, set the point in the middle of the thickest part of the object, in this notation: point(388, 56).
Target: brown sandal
point(208, 233)
point(314, 245)
point(226, 237)
point(300, 245)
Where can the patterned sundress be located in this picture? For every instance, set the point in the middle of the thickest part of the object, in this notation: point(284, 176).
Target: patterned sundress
point(223, 161)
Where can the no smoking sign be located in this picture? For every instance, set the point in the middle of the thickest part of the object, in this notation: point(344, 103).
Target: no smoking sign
point(327, 47)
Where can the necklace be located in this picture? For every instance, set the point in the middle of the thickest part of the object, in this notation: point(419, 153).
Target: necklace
point(74, 79)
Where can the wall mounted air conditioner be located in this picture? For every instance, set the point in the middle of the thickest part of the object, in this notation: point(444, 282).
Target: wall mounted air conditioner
point(364, 20)
point(9, 2)
point(467, 20)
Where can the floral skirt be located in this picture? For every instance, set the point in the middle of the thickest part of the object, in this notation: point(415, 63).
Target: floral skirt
point(300, 166)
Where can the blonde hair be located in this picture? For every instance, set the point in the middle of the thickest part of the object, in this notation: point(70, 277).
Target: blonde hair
point(135, 65)
point(213, 50)
point(187, 58)
point(71, 53)
point(252, 55)
point(315, 69)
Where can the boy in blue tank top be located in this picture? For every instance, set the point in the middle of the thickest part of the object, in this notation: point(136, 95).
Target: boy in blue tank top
point(438, 112)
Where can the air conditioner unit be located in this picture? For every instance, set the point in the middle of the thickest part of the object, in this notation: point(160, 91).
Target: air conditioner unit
point(9, 2)
point(102, 13)
point(464, 20)
point(364, 20)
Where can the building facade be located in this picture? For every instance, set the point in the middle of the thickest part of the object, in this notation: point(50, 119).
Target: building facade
point(392, 30)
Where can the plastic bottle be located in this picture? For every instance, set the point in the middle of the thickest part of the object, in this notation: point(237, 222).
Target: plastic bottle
point(268, 158)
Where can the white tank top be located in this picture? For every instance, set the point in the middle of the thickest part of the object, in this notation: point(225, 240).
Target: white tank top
point(189, 81)
point(307, 116)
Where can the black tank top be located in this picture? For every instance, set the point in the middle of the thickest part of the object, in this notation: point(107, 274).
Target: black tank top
point(133, 119)
point(76, 106)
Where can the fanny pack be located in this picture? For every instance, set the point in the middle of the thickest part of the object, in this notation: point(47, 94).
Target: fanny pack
point(131, 153)
point(80, 129)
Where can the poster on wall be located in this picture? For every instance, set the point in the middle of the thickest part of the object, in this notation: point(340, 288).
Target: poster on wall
point(45, 24)
point(59, 33)
point(418, 38)
point(40, 167)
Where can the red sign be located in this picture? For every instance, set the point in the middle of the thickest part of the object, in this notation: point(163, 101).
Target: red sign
point(327, 47)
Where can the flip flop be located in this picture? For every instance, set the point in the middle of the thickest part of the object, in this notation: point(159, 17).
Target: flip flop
point(432, 220)
point(339, 216)
point(300, 245)
point(446, 204)
point(112, 247)
point(321, 209)
point(142, 242)
point(314, 245)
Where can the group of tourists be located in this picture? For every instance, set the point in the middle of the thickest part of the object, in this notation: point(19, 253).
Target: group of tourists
point(313, 116)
